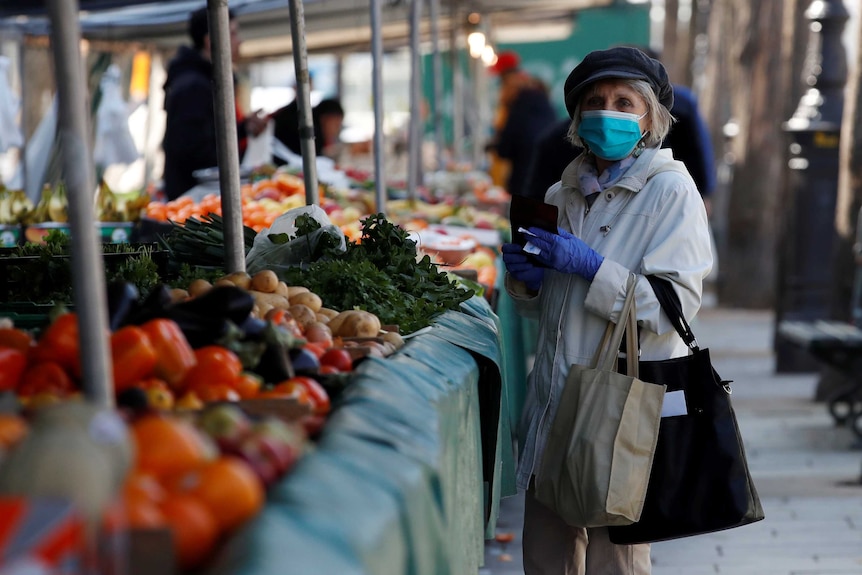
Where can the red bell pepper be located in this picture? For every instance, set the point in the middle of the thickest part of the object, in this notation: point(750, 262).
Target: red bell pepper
point(133, 356)
point(175, 356)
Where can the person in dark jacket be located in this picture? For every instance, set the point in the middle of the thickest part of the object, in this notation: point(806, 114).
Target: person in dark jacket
point(527, 112)
point(190, 129)
point(327, 118)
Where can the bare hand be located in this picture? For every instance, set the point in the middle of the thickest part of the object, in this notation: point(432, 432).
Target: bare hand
point(256, 123)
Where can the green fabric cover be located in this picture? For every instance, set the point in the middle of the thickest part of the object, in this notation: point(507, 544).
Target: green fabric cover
point(395, 485)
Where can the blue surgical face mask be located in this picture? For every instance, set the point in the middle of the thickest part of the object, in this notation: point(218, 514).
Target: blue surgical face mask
point(610, 135)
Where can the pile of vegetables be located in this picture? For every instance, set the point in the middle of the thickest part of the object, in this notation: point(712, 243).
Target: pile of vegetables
point(379, 274)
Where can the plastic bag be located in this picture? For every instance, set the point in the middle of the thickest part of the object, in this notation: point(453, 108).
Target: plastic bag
point(259, 149)
point(114, 143)
point(264, 254)
point(10, 132)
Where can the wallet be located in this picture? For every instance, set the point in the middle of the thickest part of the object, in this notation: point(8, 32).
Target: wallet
point(527, 213)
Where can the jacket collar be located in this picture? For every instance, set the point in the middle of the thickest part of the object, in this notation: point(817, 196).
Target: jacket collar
point(650, 162)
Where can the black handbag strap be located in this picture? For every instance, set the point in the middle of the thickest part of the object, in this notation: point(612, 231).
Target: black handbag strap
point(669, 302)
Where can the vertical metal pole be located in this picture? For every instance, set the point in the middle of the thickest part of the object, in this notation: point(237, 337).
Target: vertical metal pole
point(414, 157)
point(303, 99)
point(227, 145)
point(377, 93)
point(437, 63)
point(457, 86)
point(88, 273)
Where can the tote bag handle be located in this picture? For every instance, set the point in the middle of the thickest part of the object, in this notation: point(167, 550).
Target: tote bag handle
point(627, 323)
point(669, 302)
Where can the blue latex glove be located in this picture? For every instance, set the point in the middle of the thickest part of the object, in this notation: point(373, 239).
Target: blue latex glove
point(566, 253)
point(520, 267)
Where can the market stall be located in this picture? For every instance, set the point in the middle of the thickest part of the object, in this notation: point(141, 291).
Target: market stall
point(408, 470)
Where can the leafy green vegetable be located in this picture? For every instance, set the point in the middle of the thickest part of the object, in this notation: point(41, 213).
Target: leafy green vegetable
point(381, 274)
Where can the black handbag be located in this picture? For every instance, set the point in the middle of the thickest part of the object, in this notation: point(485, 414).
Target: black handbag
point(700, 482)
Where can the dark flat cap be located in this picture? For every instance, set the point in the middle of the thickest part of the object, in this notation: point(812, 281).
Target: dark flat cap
point(618, 62)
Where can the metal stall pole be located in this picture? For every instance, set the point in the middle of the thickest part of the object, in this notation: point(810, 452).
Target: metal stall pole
point(227, 145)
point(437, 64)
point(377, 93)
point(457, 86)
point(414, 157)
point(303, 99)
point(88, 273)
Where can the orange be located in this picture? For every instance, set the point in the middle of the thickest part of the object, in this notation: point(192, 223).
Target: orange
point(167, 445)
point(229, 487)
point(194, 528)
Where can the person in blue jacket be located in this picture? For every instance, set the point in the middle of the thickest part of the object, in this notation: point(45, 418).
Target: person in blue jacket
point(689, 140)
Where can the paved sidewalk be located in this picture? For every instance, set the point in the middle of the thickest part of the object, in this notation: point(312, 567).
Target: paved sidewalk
point(807, 471)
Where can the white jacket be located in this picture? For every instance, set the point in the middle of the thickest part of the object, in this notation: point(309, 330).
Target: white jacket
point(652, 221)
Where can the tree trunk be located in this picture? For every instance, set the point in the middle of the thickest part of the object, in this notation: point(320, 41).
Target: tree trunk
point(849, 192)
point(671, 41)
point(752, 225)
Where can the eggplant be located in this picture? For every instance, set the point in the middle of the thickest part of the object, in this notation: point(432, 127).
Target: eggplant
point(253, 328)
point(123, 299)
point(200, 329)
point(153, 306)
point(304, 362)
point(226, 302)
point(274, 365)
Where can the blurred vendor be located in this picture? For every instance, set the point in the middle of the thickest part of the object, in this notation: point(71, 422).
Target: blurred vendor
point(327, 117)
point(190, 129)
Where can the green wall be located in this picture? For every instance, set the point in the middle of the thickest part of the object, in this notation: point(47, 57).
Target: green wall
point(593, 29)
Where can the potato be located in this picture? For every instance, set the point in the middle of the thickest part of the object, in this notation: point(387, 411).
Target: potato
point(355, 323)
point(223, 282)
point(199, 287)
point(329, 313)
point(303, 315)
point(270, 299)
point(239, 279)
point(178, 295)
point(281, 289)
point(393, 338)
point(336, 322)
point(308, 298)
point(265, 281)
point(293, 290)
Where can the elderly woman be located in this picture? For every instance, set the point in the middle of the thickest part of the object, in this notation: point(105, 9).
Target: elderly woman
point(625, 206)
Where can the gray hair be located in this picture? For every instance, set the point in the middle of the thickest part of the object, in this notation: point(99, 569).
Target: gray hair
point(659, 117)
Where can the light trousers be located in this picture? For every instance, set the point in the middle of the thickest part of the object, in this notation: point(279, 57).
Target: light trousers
point(552, 547)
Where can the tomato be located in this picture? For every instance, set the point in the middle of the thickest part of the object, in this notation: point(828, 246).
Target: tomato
point(13, 362)
point(337, 357)
point(319, 398)
point(215, 365)
point(286, 390)
point(247, 385)
point(317, 348)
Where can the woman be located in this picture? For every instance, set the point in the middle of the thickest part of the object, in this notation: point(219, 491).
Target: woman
point(625, 206)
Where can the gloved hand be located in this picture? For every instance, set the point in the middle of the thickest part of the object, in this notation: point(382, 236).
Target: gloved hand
point(566, 253)
point(520, 267)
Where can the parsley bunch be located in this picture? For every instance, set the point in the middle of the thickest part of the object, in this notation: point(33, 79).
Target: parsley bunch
point(380, 274)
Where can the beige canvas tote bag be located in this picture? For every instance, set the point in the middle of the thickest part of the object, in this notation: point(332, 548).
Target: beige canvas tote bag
point(597, 460)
